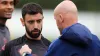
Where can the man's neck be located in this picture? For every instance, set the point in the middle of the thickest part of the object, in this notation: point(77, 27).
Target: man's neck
point(3, 21)
point(38, 38)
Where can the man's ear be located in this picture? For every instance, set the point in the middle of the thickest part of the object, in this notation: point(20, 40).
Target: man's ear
point(61, 18)
point(22, 21)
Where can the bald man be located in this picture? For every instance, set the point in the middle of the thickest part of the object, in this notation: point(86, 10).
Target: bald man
point(75, 39)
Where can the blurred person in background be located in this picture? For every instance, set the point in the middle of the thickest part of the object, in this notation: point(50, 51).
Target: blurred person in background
point(6, 9)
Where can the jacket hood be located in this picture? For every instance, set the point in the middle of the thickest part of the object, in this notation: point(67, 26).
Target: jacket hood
point(77, 34)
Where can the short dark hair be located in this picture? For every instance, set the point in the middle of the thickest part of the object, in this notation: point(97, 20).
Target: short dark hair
point(16, 1)
point(32, 9)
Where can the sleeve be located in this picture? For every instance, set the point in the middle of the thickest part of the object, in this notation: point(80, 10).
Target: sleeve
point(50, 51)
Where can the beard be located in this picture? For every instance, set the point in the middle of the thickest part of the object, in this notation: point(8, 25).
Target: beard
point(33, 35)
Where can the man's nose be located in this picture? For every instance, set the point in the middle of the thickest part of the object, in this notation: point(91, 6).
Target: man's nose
point(35, 25)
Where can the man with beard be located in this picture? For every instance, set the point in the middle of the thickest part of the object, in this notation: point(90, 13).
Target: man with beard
point(32, 19)
point(6, 9)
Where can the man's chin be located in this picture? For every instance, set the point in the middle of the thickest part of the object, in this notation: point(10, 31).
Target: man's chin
point(35, 35)
point(8, 17)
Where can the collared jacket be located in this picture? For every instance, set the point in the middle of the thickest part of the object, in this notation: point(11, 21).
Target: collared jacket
point(75, 40)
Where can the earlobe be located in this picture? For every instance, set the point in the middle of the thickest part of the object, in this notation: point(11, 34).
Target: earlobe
point(22, 21)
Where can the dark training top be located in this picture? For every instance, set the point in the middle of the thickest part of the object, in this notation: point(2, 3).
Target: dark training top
point(38, 47)
point(4, 36)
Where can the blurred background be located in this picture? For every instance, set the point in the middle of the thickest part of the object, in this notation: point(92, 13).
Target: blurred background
point(89, 14)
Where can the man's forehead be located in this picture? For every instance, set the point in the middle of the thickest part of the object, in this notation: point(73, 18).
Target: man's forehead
point(33, 18)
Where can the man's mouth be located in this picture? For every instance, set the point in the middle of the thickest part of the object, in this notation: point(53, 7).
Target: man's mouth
point(9, 13)
point(35, 32)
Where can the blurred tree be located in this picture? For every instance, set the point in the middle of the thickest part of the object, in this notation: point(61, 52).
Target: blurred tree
point(86, 5)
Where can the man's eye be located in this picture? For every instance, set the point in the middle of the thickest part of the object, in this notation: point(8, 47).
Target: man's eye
point(39, 21)
point(30, 22)
point(4, 3)
point(12, 3)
